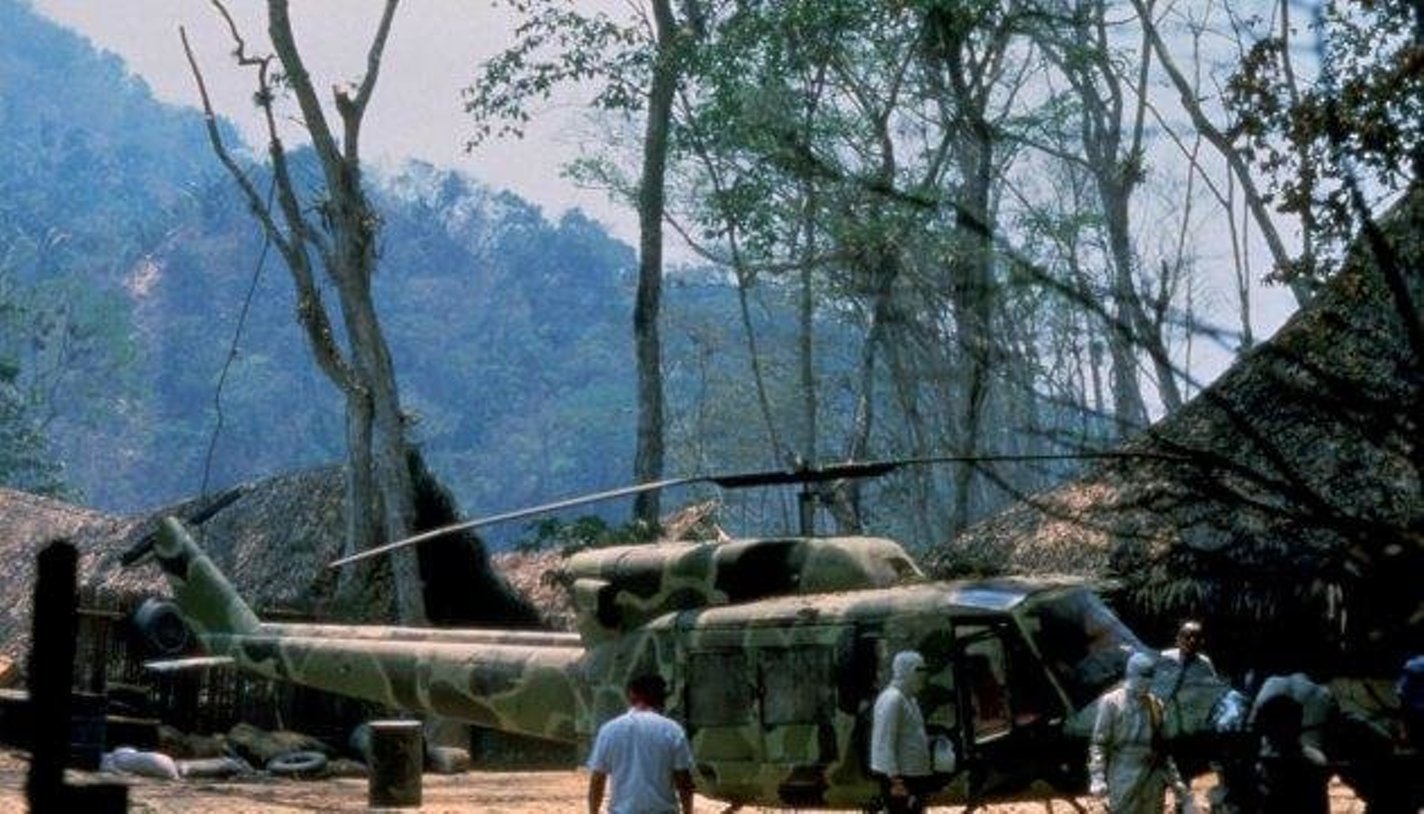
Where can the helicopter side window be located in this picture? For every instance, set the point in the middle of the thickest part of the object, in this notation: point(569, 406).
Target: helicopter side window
point(795, 684)
point(1082, 642)
point(721, 695)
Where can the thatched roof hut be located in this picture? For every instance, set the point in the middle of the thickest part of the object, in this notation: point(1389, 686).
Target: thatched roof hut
point(272, 538)
point(1284, 504)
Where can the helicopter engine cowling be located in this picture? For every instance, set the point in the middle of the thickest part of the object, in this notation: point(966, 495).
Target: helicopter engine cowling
point(617, 589)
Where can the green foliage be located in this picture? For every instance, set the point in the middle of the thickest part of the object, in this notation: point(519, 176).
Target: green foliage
point(25, 460)
point(557, 44)
point(1362, 118)
point(589, 531)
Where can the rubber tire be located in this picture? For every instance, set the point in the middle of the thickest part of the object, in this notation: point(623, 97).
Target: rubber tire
point(301, 763)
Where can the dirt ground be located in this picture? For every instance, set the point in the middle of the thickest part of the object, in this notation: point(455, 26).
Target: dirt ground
point(475, 792)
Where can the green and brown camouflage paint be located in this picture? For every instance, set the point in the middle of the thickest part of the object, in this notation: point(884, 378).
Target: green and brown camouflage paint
point(616, 589)
point(773, 650)
point(512, 681)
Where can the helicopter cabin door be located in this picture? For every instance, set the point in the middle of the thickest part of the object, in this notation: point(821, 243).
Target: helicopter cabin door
point(1002, 702)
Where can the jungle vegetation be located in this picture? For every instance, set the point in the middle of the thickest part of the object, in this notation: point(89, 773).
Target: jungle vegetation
point(918, 228)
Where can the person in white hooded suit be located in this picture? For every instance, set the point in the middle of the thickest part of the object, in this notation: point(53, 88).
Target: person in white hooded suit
point(1128, 761)
point(899, 747)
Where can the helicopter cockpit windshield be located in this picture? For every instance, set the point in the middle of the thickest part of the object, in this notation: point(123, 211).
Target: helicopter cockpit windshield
point(1081, 641)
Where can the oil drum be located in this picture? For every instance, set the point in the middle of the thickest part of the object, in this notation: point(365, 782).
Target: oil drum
point(397, 759)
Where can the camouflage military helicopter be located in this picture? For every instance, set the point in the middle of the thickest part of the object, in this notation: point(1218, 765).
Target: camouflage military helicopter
point(773, 649)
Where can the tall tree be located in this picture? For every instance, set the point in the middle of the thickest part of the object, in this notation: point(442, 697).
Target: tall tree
point(335, 231)
point(1110, 123)
point(652, 194)
point(637, 66)
point(337, 235)
point(966, 46)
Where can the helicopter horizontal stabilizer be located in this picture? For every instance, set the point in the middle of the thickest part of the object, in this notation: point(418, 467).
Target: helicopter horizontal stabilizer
point(192, 663)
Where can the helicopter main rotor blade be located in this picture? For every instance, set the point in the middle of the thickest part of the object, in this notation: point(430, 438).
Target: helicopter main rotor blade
point(874, 469)
point(514, 515)
point(738, 480)
point(776, 477)
point(731, 481)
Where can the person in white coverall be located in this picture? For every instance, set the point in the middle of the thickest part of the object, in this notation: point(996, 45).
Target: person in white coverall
point(1128, 762)
point(899, 747)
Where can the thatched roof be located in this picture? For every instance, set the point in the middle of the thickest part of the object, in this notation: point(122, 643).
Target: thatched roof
point(1284, 503)
point(27, 524)
point(272, 538)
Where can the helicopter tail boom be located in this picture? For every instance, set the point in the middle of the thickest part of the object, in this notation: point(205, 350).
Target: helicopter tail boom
point(514, 681)
point(526, 689)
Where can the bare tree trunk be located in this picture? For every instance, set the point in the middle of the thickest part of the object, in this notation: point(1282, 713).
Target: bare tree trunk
point(340, 232)
point(648, 458)
point(1128, 406)
point(973, 306)
point(363, 510)
point(350, 260)
point(880, 268)
point(845, 505)
point(810, 217)
point(1254, 202)
point(807, 356)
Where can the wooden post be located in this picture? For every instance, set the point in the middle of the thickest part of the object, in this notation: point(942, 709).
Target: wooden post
point(51, 674)
point(51, 679)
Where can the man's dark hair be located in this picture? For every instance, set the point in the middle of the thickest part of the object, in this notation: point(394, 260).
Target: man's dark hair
point(650, 688)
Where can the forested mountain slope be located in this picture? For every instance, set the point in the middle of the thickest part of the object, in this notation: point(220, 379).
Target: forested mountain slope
point(156, 358)
point(133, 272)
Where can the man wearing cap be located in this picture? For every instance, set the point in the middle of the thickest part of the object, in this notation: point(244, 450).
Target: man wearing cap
point(1128, 762)
point(899, 748)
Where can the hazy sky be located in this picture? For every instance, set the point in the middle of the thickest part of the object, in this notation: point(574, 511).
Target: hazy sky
point(433, 52)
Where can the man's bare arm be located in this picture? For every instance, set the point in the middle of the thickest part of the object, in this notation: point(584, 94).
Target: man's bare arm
point(682, 779)
point(597, 781)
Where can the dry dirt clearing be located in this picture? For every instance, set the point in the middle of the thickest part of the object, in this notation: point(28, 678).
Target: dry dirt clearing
point(476, 792)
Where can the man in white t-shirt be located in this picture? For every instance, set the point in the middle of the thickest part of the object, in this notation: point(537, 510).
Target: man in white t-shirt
point(645, 753)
